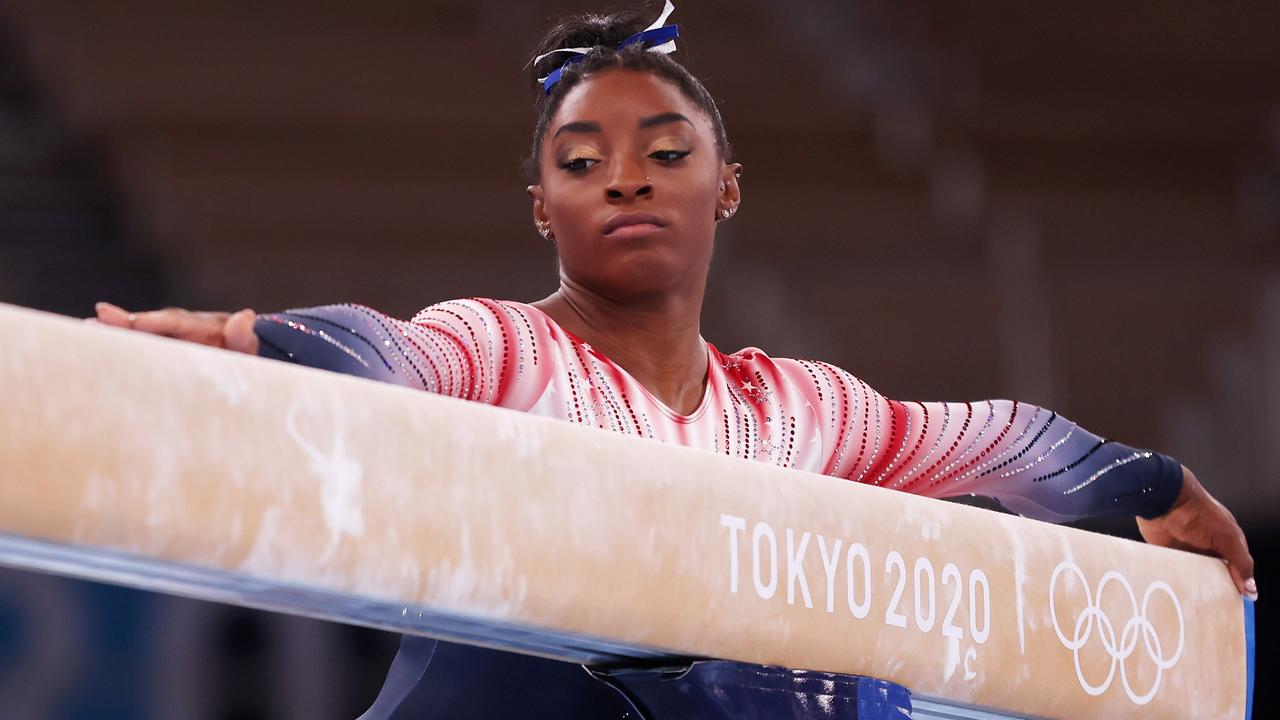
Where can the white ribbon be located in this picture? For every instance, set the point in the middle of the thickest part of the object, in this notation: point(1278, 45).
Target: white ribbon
point(666, 47)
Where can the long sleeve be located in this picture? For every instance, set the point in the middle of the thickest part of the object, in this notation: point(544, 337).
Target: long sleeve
point(469, 349)
point(1035, 462)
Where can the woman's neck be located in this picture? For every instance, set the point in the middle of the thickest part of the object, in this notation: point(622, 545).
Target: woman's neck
point(659, 344)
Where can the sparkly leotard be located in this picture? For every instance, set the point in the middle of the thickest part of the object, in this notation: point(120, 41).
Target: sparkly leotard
point(793, 413)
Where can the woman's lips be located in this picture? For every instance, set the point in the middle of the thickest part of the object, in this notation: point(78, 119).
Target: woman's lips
point(634, 230)
point(640, 223)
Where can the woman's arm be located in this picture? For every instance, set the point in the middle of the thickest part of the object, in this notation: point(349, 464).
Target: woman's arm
point(346, 338)
point(475, 349)
point(1034, 461)
point(471, 349)
point(360, 341)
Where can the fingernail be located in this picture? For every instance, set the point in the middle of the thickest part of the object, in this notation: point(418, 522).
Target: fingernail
point(1251, 588)
point(133, 317)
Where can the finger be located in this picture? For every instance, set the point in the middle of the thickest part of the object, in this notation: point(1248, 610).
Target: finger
point(1240, 563)
point(176, 323)
point(158, 322)
point(1239, 580)
point(112, 315)
point(238, 332)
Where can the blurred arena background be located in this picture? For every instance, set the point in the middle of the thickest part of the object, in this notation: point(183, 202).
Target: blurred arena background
point(1074, 205)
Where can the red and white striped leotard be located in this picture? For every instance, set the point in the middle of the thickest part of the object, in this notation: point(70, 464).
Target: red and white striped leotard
point(793, 413)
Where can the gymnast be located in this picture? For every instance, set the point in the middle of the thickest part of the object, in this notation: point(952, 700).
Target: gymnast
point(632, 172)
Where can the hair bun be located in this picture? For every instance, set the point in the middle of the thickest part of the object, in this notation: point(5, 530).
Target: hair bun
point(584, 31)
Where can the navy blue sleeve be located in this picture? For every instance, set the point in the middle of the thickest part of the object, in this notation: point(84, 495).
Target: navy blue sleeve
point(1106, 479)
point(346, 339)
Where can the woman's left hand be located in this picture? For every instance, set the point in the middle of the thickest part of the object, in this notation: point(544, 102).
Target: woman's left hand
point(1199, 523)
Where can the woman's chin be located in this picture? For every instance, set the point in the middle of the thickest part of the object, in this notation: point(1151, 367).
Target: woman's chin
point(638, 281)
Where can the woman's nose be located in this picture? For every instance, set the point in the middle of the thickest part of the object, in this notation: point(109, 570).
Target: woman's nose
point(628, 182)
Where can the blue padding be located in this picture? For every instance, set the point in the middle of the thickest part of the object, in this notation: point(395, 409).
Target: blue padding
point(1250, 642)
point(724, 690)
point(882, 700)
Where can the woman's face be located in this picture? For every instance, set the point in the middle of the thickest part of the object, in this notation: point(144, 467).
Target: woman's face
point(626, 146)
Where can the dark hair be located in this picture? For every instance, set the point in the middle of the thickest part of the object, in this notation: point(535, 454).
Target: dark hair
point(602, 33)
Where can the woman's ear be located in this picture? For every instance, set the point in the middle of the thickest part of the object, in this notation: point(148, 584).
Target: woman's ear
point(730, 189)
point(539, 210)
point(541, 220)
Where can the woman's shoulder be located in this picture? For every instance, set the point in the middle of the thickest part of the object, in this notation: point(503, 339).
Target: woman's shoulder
point(488, 319)
point(752, 361)
point(491, 309)
point(755, 357)
point(820, 384)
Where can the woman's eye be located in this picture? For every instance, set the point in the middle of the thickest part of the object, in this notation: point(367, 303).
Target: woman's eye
point(668, 155)
point(577, 164)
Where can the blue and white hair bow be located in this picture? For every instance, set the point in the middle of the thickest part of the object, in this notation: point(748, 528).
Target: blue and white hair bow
point(655, 38)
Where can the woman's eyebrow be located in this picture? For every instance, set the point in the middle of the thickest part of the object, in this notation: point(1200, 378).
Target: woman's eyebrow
point(579, 126)
point(662, 119)
point(588, 126)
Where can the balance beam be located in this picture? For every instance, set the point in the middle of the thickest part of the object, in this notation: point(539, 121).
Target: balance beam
point(178, 468)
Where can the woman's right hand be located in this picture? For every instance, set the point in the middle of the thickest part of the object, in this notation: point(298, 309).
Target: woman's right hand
point(232, 331)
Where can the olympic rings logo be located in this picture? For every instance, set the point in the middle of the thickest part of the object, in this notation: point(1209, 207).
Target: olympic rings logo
point(1121, 648)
